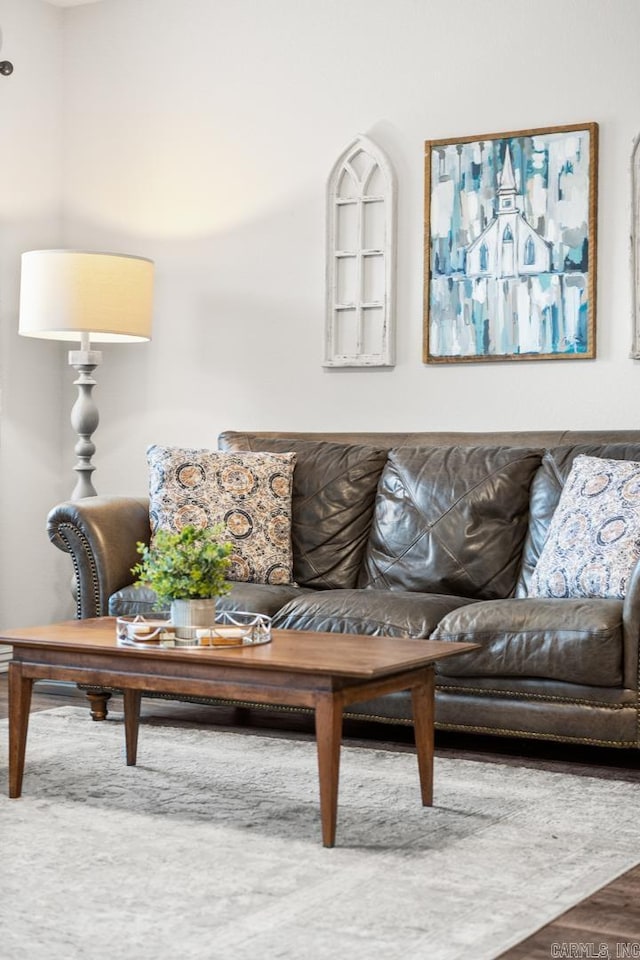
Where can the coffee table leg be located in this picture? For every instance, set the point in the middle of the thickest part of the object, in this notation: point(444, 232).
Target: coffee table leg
point(422, 697)
point(328, 739)
point(131, 700)
point(19, 704)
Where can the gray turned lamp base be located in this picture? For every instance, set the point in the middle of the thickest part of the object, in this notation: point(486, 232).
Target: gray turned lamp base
point(84, 419)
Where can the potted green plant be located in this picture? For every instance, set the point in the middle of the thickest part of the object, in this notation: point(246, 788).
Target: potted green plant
point(186, 570)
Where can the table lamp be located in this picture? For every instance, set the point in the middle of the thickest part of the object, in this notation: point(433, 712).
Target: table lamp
point(77, 295)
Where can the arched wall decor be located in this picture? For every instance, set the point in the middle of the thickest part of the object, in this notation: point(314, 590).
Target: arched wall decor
point(361, 245)
point(635, 247)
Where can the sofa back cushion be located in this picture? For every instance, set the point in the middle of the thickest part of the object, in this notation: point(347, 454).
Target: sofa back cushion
point(334, 489)
point(451, 520)
point(546, 489)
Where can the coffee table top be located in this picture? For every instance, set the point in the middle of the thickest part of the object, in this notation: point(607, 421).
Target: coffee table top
point(298, 651)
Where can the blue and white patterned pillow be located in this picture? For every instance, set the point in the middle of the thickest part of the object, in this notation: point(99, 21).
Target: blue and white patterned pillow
point(593, 542)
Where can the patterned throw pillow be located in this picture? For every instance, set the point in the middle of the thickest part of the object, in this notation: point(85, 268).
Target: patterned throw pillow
point(334, 491)
point(248, 493)
point(594, 536)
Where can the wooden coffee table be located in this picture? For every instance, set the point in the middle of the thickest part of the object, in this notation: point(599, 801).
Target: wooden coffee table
point(323, 671)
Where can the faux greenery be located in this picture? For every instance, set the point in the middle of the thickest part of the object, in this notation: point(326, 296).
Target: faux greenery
point(187, 565)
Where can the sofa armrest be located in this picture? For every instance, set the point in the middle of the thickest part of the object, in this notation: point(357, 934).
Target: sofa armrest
point(631, 631)
point(100, 534)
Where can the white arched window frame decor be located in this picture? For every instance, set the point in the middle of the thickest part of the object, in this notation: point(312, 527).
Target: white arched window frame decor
point(635, 246)
point(361, 245)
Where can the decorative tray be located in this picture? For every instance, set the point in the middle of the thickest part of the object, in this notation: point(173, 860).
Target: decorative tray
point(233, 629)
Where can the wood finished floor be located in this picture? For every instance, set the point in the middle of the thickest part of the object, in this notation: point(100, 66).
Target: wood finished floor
point(605, 925)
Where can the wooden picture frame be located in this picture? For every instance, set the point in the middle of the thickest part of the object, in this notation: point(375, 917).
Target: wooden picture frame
point(510, 246)
point(635, 247)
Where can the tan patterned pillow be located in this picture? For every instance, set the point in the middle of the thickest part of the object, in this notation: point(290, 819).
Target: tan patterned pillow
point(248, 493)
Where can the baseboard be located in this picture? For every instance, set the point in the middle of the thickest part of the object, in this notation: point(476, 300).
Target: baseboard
point(59, 688)
point(5, 656)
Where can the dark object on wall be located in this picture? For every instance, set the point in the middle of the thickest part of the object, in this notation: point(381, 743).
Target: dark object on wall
point(6, 68)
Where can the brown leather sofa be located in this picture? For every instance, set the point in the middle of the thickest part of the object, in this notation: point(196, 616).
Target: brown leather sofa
point(426, 535)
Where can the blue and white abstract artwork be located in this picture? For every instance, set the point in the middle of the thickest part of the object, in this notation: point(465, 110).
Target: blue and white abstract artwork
point(510, 246)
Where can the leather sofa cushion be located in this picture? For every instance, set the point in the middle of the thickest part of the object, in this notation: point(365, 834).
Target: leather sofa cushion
point(451, 520)
point(577, 641)
point(334, 489)
point(135, 601)
point(373, 613)
point(264, 598)
point(546, 488)
point(260, 597)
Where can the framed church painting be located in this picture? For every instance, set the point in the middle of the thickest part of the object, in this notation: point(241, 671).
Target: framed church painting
point(510, 246)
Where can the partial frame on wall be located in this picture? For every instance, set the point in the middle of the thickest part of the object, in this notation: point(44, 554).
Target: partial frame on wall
point(510, 246)
point(635, 247)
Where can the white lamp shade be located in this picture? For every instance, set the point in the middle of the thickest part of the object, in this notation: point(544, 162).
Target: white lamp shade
point(65, 293)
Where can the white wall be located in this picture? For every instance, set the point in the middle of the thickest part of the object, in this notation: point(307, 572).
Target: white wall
point(31, 371)
point(200, 133)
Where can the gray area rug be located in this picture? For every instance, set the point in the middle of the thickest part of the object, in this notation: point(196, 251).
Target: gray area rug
point(210, 849)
